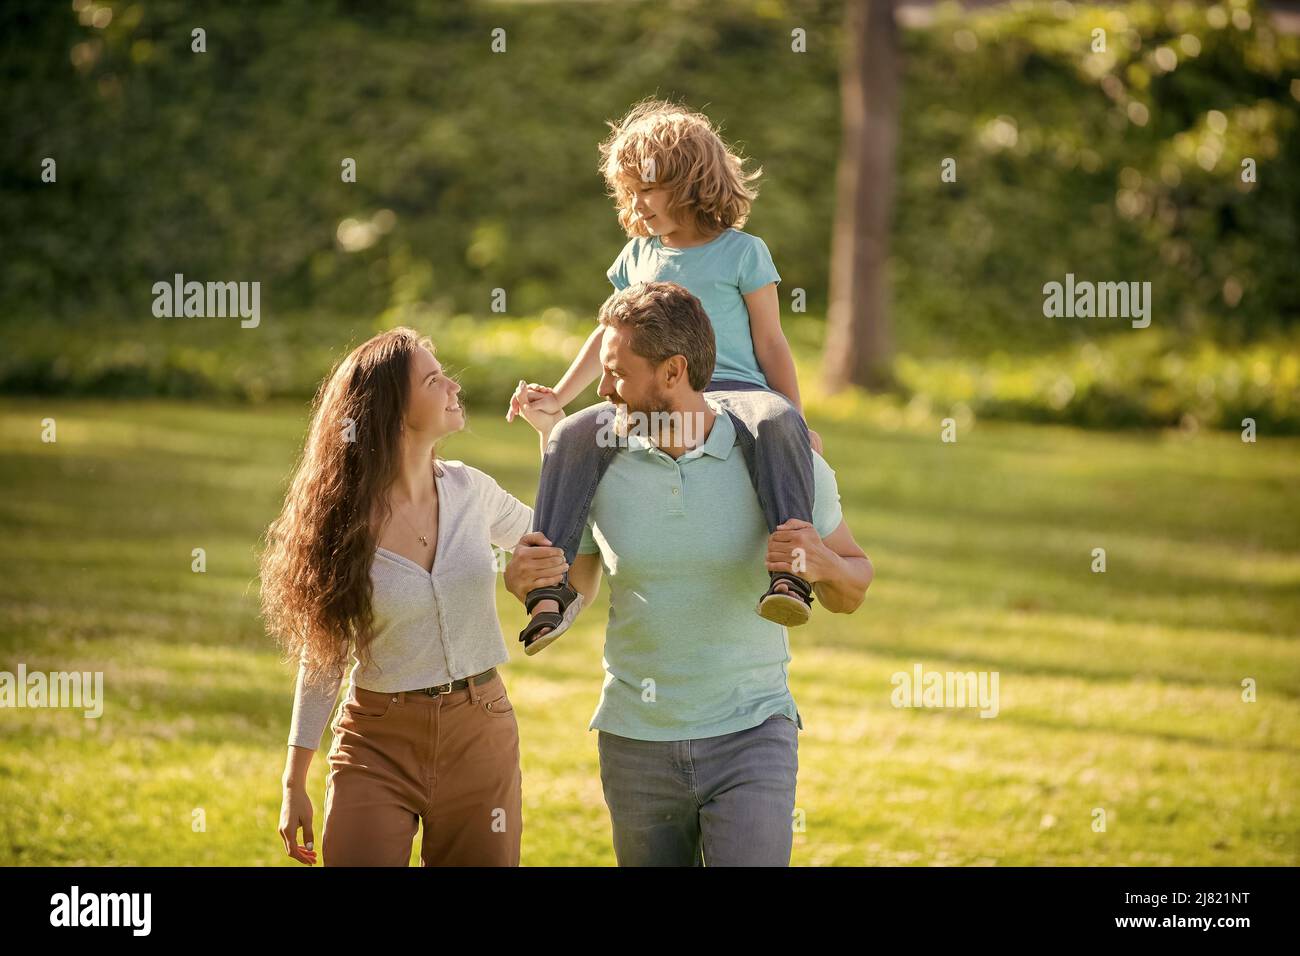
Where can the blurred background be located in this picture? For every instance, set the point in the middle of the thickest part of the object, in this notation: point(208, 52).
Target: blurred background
point(908, 300)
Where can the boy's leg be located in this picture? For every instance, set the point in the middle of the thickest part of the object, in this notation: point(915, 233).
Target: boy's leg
point(576, 456)
point(579, 450)
point(779, 459)
point(747, 782)
point(781, 465)
point(649, 790)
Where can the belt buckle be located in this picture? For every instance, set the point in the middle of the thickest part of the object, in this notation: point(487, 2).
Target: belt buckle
point(440, 689)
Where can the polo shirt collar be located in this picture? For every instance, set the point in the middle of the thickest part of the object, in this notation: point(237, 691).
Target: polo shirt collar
point(722, 436)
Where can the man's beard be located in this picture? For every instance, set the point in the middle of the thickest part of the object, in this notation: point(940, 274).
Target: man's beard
point(656, 402)
point(657, 421)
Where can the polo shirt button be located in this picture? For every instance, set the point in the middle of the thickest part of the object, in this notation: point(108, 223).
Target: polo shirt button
point(677, 491)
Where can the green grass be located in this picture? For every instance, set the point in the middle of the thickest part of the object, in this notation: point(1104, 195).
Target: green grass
point(1118, 690)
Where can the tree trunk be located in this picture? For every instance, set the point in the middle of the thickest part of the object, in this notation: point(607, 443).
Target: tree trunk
point(859, 340)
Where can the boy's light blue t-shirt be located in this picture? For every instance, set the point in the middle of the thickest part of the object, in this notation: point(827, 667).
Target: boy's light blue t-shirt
point(717, 273)
point(684, 546)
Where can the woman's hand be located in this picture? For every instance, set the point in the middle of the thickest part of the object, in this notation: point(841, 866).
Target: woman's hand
point(534, 564)
point(532, 393)
point(540, 407)
point(296, 811)
point(816, 442)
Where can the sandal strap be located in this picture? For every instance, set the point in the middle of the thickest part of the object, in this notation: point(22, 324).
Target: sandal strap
point(563, 594)
point(542, 619)
point(798, 586)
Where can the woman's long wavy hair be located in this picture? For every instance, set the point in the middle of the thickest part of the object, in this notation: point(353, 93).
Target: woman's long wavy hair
point(315, 568)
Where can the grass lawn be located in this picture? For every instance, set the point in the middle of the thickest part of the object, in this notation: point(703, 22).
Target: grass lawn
point(1120, 691)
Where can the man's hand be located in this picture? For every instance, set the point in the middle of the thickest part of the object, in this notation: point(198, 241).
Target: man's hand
point(816, 442)
point(836, 566)
point(534, 564)
point(796, 547)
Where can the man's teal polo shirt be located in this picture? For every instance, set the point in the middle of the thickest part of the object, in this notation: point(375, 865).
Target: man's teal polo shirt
point(684, 546)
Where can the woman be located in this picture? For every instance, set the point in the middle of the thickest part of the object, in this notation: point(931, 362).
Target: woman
point(383, 551)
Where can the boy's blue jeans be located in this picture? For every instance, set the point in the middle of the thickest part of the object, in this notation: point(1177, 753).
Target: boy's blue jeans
point(715, 801)
point(778, 454)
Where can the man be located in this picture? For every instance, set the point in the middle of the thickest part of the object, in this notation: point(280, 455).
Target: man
point(698, 731)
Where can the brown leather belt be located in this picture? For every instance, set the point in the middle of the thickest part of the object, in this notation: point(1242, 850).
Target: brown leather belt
point(439, 689)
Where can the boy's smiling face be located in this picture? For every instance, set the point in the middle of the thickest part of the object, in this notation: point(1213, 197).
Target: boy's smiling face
point(650, 202)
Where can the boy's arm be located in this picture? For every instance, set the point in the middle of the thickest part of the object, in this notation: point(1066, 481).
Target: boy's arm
point(770, 347)
point(584, 370)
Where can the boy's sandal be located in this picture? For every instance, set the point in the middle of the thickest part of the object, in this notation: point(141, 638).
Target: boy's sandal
point(570, 602)
point(790, 608)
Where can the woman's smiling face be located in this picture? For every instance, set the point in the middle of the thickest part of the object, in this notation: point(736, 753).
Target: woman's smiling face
point(433, 408)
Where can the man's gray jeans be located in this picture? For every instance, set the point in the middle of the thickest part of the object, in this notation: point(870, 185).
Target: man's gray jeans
point(715, 801)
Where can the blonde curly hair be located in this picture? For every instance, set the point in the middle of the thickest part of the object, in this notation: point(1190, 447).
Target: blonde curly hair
point(681, 151)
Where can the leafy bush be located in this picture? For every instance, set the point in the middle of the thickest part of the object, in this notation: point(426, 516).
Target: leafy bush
point(477, 172)
point(282, 358)
point(1137, 380)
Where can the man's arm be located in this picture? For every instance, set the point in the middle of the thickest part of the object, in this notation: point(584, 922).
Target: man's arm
point(585, 577)
point(838, 569)
point(844, 592)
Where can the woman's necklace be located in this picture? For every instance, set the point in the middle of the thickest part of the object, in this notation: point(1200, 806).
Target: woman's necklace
point(424, 540)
